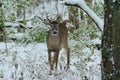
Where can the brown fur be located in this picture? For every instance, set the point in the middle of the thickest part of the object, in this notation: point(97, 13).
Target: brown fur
point(55, 43)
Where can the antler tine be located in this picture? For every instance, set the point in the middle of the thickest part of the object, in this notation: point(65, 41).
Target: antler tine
point(50, 20)
point(58, 17)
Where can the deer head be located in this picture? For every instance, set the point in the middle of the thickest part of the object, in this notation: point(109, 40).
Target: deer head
point(54, 25)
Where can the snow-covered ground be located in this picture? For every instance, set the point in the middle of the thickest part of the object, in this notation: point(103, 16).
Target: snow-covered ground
point(30, 63)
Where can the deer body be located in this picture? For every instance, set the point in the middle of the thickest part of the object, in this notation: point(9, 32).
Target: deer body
point(57, 38)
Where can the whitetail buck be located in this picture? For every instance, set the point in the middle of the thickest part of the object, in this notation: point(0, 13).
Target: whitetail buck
point(57, 38)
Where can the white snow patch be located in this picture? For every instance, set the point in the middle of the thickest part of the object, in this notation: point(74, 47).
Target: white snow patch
point(114, 1)
point(11, 24)
point(95, 41)
point(86, 50)
point(18, 35)
point(31, 61)
point(110, 15)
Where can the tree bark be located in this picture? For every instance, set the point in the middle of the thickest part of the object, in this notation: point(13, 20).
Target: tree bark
point(111, 41)
point(89, 3)
point(73, 16)
point(1, 25)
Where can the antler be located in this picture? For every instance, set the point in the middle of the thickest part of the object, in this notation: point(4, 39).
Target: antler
point(58, 17)
point(50, 20)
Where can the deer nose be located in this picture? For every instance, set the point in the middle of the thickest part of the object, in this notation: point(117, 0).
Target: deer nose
point(55, 32)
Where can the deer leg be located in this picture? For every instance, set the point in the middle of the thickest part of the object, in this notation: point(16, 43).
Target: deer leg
point(56, 55)
point(49, 59)
point(68, 56)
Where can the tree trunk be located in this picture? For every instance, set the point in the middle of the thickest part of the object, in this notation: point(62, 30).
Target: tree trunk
point(111, 41)
point(73, 16)
point(89, 3)
point(1, 25)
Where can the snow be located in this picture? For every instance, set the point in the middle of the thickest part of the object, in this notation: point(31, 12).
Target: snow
point(114, 1)
point(11, 24)
point(110, 15)
point(95, 41)
point(86, 50)
point(18, 36)
point(99, 1)
point(31, 61)
point(93, 15)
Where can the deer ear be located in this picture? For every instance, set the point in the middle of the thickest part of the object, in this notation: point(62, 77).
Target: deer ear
point(65, 22)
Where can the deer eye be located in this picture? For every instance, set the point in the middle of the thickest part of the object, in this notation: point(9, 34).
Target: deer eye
point(51, 25)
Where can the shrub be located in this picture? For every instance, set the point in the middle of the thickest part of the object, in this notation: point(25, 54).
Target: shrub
point(38, 34)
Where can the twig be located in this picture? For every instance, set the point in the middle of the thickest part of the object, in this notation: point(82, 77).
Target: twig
point(5, 42)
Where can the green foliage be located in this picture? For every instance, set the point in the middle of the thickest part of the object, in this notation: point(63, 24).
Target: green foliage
point(84, 33)
point(81, 37)
point(12, 17)
point(24, 40)
point(12, 7)
point(1, 22)
point(38, 34)
point(23, 4)
point(1, 18)
point(81, 47)
point(98, 8)
point(87, 59)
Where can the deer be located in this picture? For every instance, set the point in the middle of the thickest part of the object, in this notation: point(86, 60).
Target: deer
point(57, 38)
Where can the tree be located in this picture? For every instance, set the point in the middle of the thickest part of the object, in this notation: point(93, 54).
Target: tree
point(73, 16)
point(81, 4)
point(89, 3)
point(1, 24)
point(111, 41)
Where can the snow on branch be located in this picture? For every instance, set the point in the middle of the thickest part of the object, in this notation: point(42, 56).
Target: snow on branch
point(81, 4)
point(19, 22)
point(15, 24)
